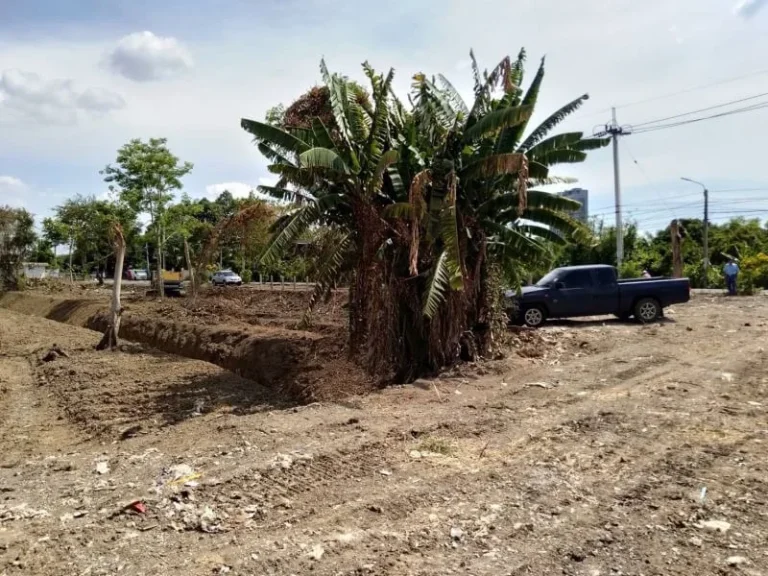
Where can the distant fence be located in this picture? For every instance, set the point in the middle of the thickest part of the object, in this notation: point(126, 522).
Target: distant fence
point(279, 283)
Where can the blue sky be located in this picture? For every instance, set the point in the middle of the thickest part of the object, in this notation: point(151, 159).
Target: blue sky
point(80, 78)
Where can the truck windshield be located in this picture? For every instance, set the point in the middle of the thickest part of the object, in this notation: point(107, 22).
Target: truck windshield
point(549, 279)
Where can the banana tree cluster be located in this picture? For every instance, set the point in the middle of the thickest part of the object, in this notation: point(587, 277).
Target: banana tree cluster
point(426, 197)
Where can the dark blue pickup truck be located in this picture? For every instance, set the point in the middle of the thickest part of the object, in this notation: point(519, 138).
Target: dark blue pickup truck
point(593, 291)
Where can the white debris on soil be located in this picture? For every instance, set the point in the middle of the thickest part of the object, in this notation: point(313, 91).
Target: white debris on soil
point(179, 471)
point(456, 533)
point(715, 525)
point(287, 461)
point(736, 560)
point(194, 517)
point(21, 512)
point(317, 552)
point(540, 385)
point(102, 467)
point(696, 541)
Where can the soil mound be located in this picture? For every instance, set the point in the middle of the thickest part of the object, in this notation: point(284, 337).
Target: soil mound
point(302, 366)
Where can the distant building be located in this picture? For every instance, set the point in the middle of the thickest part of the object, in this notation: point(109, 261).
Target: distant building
point(579, 195)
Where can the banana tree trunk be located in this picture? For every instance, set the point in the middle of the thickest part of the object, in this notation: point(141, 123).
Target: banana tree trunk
point(110, 338)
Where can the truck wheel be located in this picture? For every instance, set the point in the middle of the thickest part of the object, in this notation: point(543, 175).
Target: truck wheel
point(647, 310)
point(534, 316)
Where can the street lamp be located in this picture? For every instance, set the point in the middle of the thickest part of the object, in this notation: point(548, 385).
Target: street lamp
point(706, 228)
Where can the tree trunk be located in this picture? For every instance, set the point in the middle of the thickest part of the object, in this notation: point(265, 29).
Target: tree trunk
point(110, 338)
point(71, 249)
point(192, 284)
point(389, 334)
point(159, 258)
point(677, 258)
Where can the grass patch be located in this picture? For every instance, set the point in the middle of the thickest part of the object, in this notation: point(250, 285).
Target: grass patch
point(437, 446)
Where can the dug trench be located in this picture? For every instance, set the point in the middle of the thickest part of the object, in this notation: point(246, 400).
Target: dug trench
point(298, 366)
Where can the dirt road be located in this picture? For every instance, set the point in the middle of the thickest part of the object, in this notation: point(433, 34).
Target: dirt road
point(625, 449)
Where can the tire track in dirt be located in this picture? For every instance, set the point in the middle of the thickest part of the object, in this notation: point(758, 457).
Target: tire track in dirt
point(412, 500)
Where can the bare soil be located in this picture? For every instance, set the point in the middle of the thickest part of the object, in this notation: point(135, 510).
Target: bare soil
point(251, 332)
point(598, 448)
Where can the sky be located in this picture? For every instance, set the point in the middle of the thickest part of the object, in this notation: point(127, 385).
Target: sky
point(79, 78)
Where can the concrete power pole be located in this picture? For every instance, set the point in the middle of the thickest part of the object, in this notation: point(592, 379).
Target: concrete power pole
point(614, 130)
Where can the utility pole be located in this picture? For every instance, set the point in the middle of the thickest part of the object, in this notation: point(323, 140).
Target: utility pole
point(677, 258)
point(614, 130)
point(705, 263)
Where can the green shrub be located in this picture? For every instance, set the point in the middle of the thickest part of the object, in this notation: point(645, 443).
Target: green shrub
point(630, 269)
point(695, 273)
point(246, 275)
point(753, 273)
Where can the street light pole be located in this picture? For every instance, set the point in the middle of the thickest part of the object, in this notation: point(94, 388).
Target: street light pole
point(706, 229)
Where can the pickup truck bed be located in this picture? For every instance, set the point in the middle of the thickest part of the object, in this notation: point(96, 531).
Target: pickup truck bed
point(575, 291)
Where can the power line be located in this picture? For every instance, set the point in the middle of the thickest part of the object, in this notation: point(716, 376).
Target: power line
point(694, 120)
point(677, 207)
point(693, 89)
point(677, 93)
point(701, 110)
point(741, 190)
point(646, 202)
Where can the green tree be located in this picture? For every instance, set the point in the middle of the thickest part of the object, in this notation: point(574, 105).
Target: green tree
point(145, 175)
point(17, 240)
point(85, 224)
point(428, 202)
point(181, 222)
point(43, 251)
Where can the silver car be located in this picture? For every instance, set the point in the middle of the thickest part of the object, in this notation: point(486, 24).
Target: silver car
point(226, 278)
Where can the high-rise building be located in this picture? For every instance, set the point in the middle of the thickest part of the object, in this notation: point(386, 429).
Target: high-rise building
point(581, 195)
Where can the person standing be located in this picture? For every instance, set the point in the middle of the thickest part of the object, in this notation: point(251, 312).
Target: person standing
point(731, 271)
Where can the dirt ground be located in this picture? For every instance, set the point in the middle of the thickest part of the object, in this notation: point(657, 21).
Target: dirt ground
point(598, 448)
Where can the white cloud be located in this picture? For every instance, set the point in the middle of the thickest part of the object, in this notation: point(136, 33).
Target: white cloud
point(748, 8)
point(677, 35)
point(237, 189)
point(100, 100)
point(10, 182)
point(27, 95)
point(144, 57)
point(12, 190)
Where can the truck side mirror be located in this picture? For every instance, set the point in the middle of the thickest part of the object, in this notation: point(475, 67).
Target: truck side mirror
point(559, 285)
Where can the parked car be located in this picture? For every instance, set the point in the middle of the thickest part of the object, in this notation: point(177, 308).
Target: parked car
point(575, 291)
point(131, 274)
point(140, 274)
point(226, 278)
